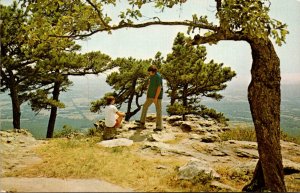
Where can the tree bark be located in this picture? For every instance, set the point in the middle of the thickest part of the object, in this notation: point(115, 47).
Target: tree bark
point(15, 107)
point(173, 96)
point(264, 99)
point(184, 100)
point(15, 101)
point(53, 113)
point(132, 93)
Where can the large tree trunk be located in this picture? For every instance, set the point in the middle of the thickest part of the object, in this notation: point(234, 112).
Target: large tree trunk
point(16, 109)
point(53, 113)
point(184, 100)
point(16, 106)
point(264, 98)
point(128, 113)
point(173, 96)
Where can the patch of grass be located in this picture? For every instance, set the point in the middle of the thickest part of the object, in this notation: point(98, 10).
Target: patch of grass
point(234, 177)
point(292, 182)
point(66, 131)
point(178, 138)
point(239, 133)
point(286, 137)
point(83, 158)
point(247, 133)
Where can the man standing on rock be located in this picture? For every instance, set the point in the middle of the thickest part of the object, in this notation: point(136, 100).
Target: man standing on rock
point(154, 95)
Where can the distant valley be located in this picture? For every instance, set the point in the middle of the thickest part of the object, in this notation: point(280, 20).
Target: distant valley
point(77, 99)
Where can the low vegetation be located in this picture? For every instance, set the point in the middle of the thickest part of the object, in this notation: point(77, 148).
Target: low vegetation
point(76, 155)
point(81, 157)
point(247, 133)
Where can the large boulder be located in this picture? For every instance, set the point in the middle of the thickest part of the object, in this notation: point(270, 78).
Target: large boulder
point(195, 168)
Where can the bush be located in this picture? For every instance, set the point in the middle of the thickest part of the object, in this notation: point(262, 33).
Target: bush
point(67, 131)
point(212, 113)
point(94, 132)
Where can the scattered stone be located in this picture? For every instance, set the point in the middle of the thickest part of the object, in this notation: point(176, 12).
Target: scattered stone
point(224, 187)
point(116, 142)
point(210, 138)
point(195, 136)
point(290, 167)
point(244, 144)
point(174, 118)
point(246, 153)
point(185, 127)
point(151, 117)
point(162, 137)
point(161, 167)
point(166, 149)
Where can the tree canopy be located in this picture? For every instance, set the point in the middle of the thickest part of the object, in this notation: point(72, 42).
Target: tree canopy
point(128, 82)
point(189, 77)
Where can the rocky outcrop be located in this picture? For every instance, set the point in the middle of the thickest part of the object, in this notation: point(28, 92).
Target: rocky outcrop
point(16, 150)
point(196, 142)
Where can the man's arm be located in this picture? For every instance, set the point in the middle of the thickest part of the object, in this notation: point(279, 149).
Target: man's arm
point(157, 94)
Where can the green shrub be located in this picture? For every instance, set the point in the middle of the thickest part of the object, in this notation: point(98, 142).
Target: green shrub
point(212, 113)
point(67, 131)
point(94, 132)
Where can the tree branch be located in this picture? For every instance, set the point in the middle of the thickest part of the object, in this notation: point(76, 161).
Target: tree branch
point(220, 35)
point(141, 25)
point(99, 14)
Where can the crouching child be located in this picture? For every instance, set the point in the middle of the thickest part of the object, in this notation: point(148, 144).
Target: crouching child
point(113, 118)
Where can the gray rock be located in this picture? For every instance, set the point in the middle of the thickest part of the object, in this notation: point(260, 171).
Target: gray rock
point(177, 123)
point(151, 117)
point(196, 167)
point(247, 167)
point(243, 144)
point(162, 137)
point(210, 138)
point(166, 149)
point(247, 153)
point(161, 167)
point(195, 136)
point(223, 187)
point(174, 118)
point(116, 142)
point(186, 127)
point(290, 167)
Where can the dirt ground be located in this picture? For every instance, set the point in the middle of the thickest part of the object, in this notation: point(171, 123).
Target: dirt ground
point(12, 184)
point(17, 151)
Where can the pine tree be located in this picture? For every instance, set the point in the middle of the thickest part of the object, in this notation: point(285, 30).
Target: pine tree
point(20, 52)
point(189, 77)
point(54, 74)
point(129, 84)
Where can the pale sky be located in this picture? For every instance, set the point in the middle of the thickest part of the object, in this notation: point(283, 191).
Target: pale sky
point(145, 42)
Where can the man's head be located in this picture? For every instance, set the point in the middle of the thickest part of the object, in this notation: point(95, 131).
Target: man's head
point(152, 69)
point(110, 100)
